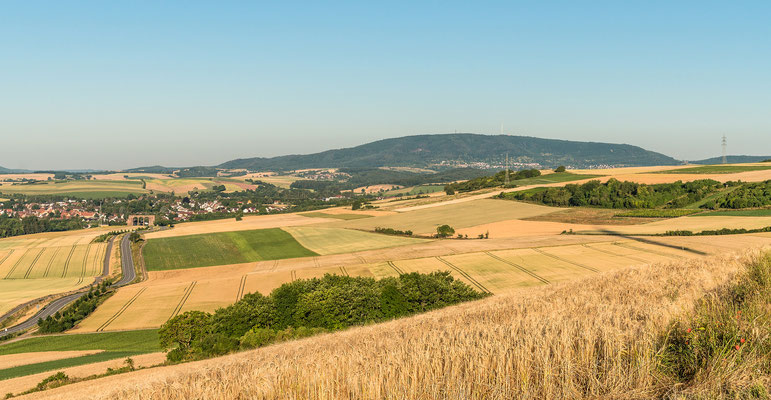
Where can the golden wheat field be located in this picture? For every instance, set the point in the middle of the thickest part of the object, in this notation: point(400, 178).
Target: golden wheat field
point(587, 338)
point(498, 269)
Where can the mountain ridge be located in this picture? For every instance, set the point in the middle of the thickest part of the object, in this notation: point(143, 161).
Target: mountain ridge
point(463, 149)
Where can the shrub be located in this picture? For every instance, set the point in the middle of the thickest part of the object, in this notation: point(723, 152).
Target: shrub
point(444, 231)
point(559, 169)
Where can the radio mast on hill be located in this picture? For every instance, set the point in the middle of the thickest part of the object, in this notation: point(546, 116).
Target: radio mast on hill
point(725, 153)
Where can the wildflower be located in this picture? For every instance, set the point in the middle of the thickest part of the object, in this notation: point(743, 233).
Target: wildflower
point(742, 340)
point(737, 347)
point(688, 330)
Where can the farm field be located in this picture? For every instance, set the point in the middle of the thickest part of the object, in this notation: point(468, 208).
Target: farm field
point(738, 213)
point(460, 215)
point(325, 241)
point(167, 293)
point(37, 265)
point(231, 225)
point(694, 223)
point(221, 248)
point(84, 189)
point(717, 169)
point(345, 217)
point(31, 360)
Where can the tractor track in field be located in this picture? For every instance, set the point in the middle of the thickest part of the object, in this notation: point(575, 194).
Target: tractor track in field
point(661, 253)
point(15, 265)
point(128, 272)
point(616, 254)
point(519, 267)
point(293, 275)
point(395, 268)
point(51, 262)
point(6, 256)
point(344, 271)
point(183, 300)
point(121, 310)
point(37, 257)
point(556, 257)
point(241, 287)
point(464, 274)
point(67, 263)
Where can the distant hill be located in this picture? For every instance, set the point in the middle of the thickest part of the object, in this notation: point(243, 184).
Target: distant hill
point(12, 171)
point(733, 160)
point(464, 149)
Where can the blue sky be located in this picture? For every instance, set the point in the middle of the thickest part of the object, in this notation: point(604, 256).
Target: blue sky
point(123, 84)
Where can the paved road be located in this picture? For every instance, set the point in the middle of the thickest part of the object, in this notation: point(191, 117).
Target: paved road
point(129, 274)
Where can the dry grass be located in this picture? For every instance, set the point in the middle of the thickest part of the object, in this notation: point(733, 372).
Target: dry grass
point(592, 338)
point(229, 225)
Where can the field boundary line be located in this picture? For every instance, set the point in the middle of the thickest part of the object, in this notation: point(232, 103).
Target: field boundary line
point(556, 257)
point(31, 266)
point(661, 253)
point(67, 263)
point(241, 286)
point(465, 274)
point(519, 267)
point(616, 254)
point(183, 300)
point(16, 265)
point(51, 262)
point(395, 268)
point(121, 310)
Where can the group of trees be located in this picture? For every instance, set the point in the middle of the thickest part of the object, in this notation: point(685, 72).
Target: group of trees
point(13, 226)
point(392, 231)
point(616, 194)
point(747, 195)
point(76, 312)
point(497, 180)
point(306, 307)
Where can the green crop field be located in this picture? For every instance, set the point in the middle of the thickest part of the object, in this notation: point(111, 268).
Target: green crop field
point(83, 189)
point(344, 217)
point(326, 241)
point(414, 190)
point(738, 213)
point(221, 249)
point(114, 345)
point(716, 169)
point(657, 213)
point(556, 177)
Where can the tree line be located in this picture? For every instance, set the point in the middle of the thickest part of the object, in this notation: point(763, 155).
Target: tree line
point(497, 180)
point(306, 307)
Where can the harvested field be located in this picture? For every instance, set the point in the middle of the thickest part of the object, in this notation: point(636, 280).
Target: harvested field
point(221, 248)
point(601, 331)
point(344, 217)
point(231, 225)
point(325, 241)
point(460, 215)
point(497, 269)
point(691, 223)
point(521, 228)
point(717, 169)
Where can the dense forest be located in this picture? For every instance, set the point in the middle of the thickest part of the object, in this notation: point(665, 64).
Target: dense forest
point(306, 307)
point(450, 149)
point(616, 194)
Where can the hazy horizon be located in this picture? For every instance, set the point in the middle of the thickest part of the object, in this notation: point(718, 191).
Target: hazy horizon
point(94, 85)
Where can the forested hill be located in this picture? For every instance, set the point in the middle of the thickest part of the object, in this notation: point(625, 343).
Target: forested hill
point(733, 160)
point(456, 149)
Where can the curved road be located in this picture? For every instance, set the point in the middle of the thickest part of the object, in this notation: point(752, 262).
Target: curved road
point(129, 274)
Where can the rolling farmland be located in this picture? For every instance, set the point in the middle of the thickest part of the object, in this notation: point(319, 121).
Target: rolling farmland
point(167, 293)
point(84, 189)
